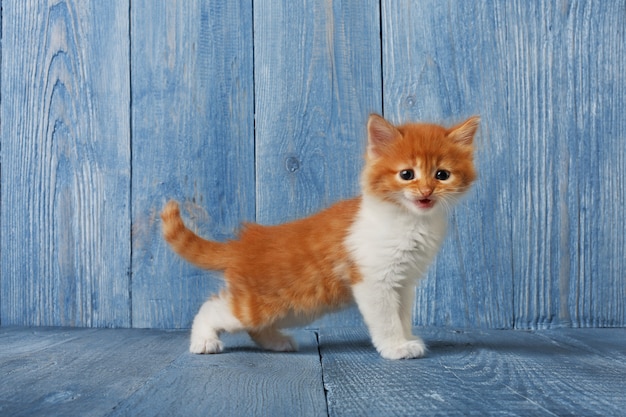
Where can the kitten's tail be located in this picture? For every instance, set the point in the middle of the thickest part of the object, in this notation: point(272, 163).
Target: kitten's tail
point(200, 252)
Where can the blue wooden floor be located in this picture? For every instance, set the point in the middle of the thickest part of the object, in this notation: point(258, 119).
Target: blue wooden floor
point(103, 372)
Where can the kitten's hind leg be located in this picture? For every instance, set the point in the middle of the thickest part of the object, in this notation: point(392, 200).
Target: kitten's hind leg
point(271, 338)
point(213, 318)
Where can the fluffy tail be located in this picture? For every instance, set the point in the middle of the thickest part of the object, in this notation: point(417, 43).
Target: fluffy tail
point(200, 252)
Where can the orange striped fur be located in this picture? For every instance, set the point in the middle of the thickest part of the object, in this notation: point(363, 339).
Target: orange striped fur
point(273, 271)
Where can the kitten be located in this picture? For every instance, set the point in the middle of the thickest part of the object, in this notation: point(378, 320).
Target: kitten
point(370, 249)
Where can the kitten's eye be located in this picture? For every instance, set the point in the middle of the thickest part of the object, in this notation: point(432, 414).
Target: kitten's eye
point(442, 175)
point(407, 174)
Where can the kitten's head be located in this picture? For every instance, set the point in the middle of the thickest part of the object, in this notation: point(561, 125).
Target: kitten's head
point(419, 166)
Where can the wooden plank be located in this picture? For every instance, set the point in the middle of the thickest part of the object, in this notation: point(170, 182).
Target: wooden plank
point(95, 372)
point(545, 219)
point(608, 343)
point(596, 95)
point(193, 140)
point(317, 74)
point(242, 381)
point(65, 250)
point(474, 372)
point(25, 341)
point(317, 78)
point(86, 372)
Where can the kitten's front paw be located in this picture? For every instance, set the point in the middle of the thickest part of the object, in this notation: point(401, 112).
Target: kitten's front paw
point(406, 350)
point(201, 346)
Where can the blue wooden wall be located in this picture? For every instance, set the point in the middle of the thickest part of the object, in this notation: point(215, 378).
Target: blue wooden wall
point(255, 110)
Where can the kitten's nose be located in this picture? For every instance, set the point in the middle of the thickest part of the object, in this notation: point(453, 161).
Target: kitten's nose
point(426, 192)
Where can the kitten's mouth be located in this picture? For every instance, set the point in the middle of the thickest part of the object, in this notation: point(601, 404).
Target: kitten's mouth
point(424, 203)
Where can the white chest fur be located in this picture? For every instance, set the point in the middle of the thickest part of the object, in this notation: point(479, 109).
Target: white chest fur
point(392, 245)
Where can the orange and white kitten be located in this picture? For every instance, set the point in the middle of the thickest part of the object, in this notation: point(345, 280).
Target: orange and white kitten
point(370, 249)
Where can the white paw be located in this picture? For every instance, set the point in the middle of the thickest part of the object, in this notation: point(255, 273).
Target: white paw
point(206, 346)
point(405, 350)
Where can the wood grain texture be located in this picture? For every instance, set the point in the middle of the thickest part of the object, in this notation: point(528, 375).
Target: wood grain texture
point(193, 140)
point(103, 372)
point(65, 249)
point(602, 342)
point(540, 241)
point(242, 381)
point(473, 372)
point(317, 78)
point(79, 372)
point(118, 372)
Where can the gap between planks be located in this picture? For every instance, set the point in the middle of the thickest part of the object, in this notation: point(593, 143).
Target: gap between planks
point(337, 372)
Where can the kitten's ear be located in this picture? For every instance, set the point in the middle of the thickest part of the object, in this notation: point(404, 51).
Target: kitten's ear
point(380, 133)
point(463, 133)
